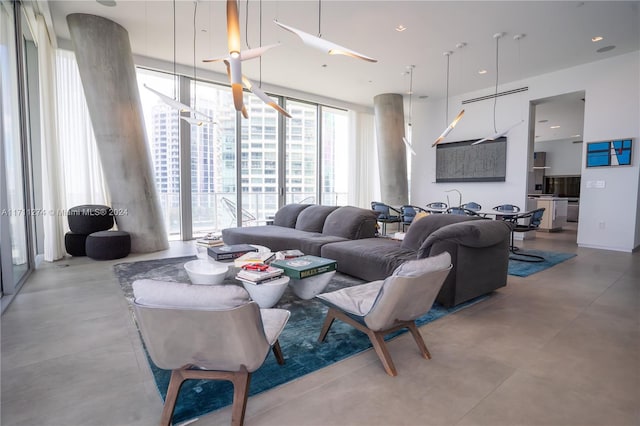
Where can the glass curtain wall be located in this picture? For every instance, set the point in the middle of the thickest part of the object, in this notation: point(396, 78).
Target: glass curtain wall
point(334, 156)
point(213, 160)
point(14, 204)
point(259, 172)
point(301, 153)
point(163, 136)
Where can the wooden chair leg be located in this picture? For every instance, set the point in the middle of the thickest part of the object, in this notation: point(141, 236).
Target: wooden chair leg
point(377, 339)
point(419, 340)
point(241, 382)
point(172, 394)
point(277, 351)
point(328, 321)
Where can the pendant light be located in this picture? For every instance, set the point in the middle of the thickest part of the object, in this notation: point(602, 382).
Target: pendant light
point(405, 139)
point(233, 43)
point(496, 134)
point(317, 42)
point(458, 117)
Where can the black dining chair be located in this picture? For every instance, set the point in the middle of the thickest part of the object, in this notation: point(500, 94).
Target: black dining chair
point(472, 206)
point(525, 222)
point(437, 207)
point(408, 213)
point(386, 214)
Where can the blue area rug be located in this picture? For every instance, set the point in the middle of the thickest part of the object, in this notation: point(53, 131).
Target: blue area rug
point(524, 269)
point(302, 353)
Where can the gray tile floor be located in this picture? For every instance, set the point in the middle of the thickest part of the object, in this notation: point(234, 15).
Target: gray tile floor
point(561, 347)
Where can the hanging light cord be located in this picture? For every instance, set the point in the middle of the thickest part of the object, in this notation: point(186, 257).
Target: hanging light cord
point(260, 40)
point(495, 96)
point(410, 94)
point(175, 76)
point(246, 26)
point(319, 18)
point(447, 102)
point(195, 81)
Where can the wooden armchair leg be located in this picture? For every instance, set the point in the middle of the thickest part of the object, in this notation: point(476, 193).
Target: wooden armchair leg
point(377, 339)
point(241, 381)
point(419, 340)
point(328, 321)
point(277, 351)
point(172, 394)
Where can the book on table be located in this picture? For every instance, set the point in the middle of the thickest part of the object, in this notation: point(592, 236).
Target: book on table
point(254, 257)
point(229, 252)
point(305, 266)
point(258, 272)
point(288, 254)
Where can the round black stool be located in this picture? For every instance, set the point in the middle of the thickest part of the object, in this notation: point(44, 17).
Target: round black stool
point(107, 245)
point(90, 218)
point(74, 243)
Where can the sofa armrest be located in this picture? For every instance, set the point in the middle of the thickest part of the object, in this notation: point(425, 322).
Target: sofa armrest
point(476, 234)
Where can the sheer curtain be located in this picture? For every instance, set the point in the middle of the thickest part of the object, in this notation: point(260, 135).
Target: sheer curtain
point(52, 190)
point(364, 179)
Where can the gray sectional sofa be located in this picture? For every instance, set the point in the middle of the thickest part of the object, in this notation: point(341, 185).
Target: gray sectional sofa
point(479, 248)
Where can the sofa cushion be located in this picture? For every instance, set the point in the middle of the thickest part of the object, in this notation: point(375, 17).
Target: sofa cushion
point(180, 295)
point(274, 237)
point(368, 258)
point(417, 267)
point(351, 222)
point(419, 231)
point(312, 218)
point(313, 245)
point(476, 234)
point(287, 215)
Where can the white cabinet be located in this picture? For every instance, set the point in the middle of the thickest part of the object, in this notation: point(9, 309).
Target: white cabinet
point(555, 213)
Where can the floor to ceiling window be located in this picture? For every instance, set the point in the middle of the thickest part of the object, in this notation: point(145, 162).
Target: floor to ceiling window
point(163, 135)
point(14, 242)
point(334, 156)
point(301, 153)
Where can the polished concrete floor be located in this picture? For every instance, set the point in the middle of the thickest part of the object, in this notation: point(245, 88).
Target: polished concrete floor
point(561, 347)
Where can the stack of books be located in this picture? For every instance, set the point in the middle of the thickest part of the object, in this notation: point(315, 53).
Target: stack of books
point(288, 254)
point(231, 252)
point(254, 257)
point(305, 266)
point(259, 273)
point(210, 240)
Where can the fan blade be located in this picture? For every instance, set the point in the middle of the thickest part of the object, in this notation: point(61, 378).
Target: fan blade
point(498, 134)
point(177, 105)
point(236, 83)
point(406, 142)
point(324, 45)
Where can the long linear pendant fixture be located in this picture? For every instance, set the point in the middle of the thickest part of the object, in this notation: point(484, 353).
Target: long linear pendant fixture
point(409, 131)
point(317, 42)
point(455, 121)
point(496, 134)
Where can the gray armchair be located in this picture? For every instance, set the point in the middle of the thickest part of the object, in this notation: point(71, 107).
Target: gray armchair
point(381, 307)
point(206, 333)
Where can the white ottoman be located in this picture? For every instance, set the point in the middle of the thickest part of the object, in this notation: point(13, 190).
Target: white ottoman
point(205, 272)
point(308, 288)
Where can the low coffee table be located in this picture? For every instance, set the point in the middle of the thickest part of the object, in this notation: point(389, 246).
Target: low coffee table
point(268, 293)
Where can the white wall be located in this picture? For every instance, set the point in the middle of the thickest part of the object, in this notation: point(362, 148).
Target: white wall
point(563, 157)
point(609, 217)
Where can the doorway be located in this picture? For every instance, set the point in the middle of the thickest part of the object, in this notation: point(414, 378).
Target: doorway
point(556, 150)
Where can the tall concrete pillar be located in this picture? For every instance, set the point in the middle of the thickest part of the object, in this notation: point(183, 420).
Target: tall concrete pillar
point(109, 80)
point(392, 157)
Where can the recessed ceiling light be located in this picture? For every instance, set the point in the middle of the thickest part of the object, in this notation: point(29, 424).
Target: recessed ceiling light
point(108, 3)
point(423, 96)
point(543, 121)
point(597, 39)
point(324, 65)
point(574, 136)
point(605, 49)
point(400, 28)
point(482, 71)
point(554, 127)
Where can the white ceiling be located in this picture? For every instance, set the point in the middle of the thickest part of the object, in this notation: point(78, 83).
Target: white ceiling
point(558, 35)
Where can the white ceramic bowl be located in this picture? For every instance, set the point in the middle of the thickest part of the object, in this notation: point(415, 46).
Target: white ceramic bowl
point(266, 294)
point(204, 272)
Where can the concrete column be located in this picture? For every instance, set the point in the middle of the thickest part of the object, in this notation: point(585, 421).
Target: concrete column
point(392, 157)
point(109, 80)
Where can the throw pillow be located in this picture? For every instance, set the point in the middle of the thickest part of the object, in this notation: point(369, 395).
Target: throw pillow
point(189, 296)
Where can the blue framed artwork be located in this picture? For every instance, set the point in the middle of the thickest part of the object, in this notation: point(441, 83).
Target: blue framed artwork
point(609, 153)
